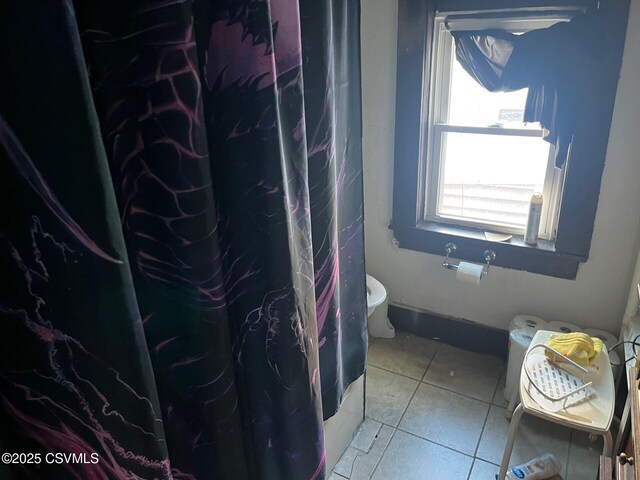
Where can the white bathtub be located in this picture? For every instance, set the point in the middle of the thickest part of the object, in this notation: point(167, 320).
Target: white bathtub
point(340, 429)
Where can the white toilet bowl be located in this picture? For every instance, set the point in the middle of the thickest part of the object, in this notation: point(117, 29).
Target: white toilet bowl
point(379, 324)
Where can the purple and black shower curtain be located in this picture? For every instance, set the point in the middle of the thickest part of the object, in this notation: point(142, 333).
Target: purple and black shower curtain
point(182, 288)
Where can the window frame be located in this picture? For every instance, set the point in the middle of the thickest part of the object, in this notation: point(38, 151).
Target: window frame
point(433, 184)
point(583, 169)
point(437, 125)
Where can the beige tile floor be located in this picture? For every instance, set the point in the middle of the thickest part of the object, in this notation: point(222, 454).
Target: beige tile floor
point(437, 412)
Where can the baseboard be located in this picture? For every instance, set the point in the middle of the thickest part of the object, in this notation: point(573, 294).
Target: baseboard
point(453, 331)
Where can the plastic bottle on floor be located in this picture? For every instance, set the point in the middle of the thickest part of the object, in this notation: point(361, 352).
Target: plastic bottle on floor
point(538, 468)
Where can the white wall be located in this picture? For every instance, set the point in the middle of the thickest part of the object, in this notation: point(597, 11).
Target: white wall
point(598, 295)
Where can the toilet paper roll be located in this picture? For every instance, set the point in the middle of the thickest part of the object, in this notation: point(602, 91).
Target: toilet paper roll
point(528, 323)
point(608, 339)
point(519, 341)
point(469, 272)
point(563, 327)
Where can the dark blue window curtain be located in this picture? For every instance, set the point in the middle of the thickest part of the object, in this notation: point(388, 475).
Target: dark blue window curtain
point(181, 245)
point(561, 66)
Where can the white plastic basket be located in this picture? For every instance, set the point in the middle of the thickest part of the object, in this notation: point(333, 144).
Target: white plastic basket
point(554, 385)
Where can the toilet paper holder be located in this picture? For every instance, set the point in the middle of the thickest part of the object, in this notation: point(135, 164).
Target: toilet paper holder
point(450, 248)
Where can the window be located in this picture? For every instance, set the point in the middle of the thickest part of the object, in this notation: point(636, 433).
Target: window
point(482, 162)
point(464, 163)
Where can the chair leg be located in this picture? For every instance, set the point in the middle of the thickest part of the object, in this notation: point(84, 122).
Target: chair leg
point(624, 420)
point(606, 448)
point(511, 438)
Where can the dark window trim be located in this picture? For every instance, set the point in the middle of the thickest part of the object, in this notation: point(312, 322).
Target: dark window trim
point(584, 166)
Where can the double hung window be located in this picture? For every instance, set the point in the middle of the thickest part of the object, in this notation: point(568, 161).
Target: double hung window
point(465, 163)
point(482, 163)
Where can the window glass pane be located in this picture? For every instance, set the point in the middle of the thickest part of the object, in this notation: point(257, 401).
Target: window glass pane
point(472, 105)
point(490, 178)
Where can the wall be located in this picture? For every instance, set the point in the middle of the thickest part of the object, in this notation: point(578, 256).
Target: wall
point(598, 295)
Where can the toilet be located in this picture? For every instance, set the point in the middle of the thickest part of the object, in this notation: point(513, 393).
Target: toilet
point(379, 324)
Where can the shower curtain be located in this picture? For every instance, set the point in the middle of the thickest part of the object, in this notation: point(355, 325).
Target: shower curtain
point(182, 287)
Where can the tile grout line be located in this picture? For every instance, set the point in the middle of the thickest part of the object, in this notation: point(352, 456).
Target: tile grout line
point(431, 357)
point(391, 371)
point(571, 449)
point(383, 452)
point(395, 429)
point(422, 378)
point(426, 440)
point(471, 469)
point(420, 381)
point(404, 412)
point(428, 366)
point(501, 381)
point(412, 397)
point(484, 424)
point(565, 463)
point(489, 404)
point(486, 418)
point(359, 452)
point(374, 436)
point(436, 443)
point(461, 394)
point(566, 467)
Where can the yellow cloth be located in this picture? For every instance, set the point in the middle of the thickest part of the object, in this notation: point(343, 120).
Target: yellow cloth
point(576, 346)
